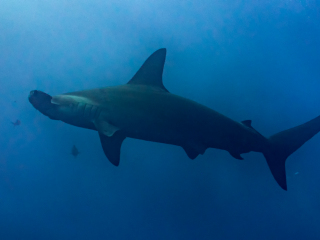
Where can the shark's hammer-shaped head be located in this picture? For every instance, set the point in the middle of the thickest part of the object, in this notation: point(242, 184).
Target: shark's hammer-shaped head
point(42, 102)
point(75, 110)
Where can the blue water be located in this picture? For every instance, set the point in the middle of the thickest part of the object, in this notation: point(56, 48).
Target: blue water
point(255, 60)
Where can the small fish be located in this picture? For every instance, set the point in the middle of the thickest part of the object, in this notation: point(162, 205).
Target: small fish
point(74, 151)
point(296, 173)
point(16, 123)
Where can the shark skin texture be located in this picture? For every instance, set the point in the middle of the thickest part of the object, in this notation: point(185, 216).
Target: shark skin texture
point(144, 109)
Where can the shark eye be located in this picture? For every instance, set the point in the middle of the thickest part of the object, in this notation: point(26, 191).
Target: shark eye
point(34, 93)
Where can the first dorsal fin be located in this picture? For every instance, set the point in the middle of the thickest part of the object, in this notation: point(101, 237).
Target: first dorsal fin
point(150, 73)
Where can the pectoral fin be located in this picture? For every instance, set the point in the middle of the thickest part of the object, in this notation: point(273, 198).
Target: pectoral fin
point(111, 146)
point(105, 128)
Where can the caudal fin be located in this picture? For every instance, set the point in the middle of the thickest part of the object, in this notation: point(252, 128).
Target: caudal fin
point(283, 144)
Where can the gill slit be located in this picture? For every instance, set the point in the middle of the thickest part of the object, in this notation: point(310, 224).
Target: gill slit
point(84, 110)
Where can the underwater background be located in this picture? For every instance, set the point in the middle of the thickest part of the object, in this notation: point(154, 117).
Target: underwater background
point(256, 60)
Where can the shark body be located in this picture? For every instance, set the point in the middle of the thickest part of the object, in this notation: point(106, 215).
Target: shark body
point(144, 109)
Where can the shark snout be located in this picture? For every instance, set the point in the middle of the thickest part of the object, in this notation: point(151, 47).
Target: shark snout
point(40, 100)
point(33, 93)
point(33, 96)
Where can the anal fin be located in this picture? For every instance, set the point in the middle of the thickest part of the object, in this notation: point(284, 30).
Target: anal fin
point(111, 146)
point(192, 154)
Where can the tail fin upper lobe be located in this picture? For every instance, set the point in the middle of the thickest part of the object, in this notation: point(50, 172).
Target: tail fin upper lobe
point(281, 145)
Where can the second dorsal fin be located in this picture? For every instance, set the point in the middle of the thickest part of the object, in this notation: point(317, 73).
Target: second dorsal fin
point(150, 73)
point(247, 123)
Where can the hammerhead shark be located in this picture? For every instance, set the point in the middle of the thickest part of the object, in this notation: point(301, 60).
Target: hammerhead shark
point(144, 109)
